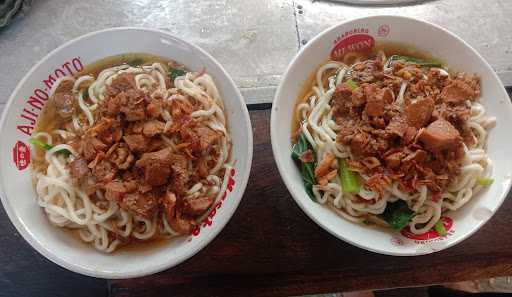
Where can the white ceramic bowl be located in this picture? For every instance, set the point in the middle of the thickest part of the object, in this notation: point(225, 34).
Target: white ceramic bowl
point(18, 196)
point(438, 42)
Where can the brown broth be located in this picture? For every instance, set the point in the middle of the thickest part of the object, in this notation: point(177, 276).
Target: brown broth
point(137, 58)
point(132, 244)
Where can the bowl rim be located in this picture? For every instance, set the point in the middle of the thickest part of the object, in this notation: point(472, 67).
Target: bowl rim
point(53, 256)
point(290, 184)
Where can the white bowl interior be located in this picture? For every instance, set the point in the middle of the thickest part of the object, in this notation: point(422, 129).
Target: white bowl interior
point(441, 44)
point(18, 196)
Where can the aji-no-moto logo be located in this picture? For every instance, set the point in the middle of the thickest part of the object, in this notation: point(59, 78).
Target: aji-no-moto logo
point(21, 155)
point(355, 40)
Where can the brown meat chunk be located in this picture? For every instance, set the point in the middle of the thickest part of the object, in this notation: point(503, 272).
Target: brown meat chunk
point(182, 224)
point(104, 171)
point(154, 108)
point(418, 114)
point(180, 178)
point(360, 144)
point(458, 91)
point(91, 146)
point(156, 166)
point(78, 168)
point(393, 160)
point(198, 206)
point(144, 205)
point(387, 95)
point(132, 105)
point(419, 156)
point(409, 135)
point(200, 138)
point(440, 135)
point(64, 104)
point(114, 191)
point(375, 106)
point(358, 97)
point(155, 144)
point(397, 126)
point(377, 99)
point(152, 128)
point(123, 82)
point(137, 143)
point(341, 99)
point(112, 106)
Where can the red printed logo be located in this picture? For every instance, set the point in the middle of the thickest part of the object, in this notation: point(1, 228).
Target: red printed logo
point(383, 30)
point(21, 155)
point(355, 40)
point(432, 234)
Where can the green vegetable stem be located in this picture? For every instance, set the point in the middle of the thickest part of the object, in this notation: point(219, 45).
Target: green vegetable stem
point(40, 144)
point(439, 227)
point(307, 169)
point(423, 63)
point(484, 181)
point(45, 146)
point(349, 179)
point(352, 84)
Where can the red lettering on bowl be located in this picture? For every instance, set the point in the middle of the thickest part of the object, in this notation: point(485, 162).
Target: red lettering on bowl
point(208, 220)
point(21, 155)
point(447, 223)
point(353, 43)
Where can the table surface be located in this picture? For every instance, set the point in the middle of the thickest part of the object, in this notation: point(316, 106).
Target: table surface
point(269, 247)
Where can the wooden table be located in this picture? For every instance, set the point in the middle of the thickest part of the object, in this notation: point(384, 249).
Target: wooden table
point(269, 248)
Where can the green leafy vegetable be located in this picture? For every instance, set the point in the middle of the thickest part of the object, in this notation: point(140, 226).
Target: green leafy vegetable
point(135, 62)
point(45, 146)
point(175, 73)
point(483, 181)
point(349, 179)
point(307, 169)
point(39, 143)
point(423, 63)
point(439, 227)
point(397, 214)
point(352, 84)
